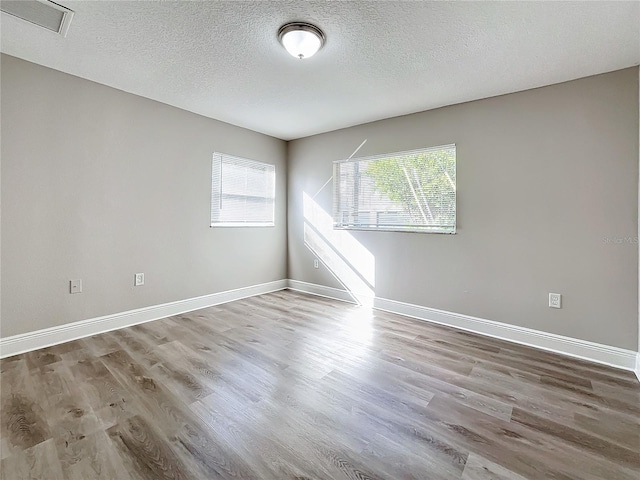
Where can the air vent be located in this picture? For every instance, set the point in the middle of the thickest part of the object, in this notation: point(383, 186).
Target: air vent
point(43, 13)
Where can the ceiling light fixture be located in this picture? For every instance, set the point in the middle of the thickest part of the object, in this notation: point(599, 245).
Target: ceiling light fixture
point(301, 40)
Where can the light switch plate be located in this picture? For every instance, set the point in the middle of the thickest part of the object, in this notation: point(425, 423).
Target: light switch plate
point(138, 279)
point(75, 286)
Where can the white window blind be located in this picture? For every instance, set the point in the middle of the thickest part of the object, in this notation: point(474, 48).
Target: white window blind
point(242, 192)
point(412, 191)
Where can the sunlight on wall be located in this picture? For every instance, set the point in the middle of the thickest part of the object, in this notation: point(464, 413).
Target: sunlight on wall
point(347, 259)
point(354, 267)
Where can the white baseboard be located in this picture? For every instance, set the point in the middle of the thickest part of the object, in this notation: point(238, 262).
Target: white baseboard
point(321, 291)
point(613, 356)
point(26, 342)
point(594, 352)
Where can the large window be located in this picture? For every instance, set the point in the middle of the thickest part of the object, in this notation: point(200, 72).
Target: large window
point(242, 192)
point(411, 191)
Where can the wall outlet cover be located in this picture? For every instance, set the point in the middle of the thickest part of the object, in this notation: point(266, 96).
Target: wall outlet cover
point(555, 300)
point(138, 279)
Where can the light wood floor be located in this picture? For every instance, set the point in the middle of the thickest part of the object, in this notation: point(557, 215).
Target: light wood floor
point(289, 386)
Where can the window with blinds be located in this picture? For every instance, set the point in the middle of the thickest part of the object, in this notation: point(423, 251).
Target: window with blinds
point(242, 192)
point(412, 191)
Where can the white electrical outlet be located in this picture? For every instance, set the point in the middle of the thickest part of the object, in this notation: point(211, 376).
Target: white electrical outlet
point(315, 263)
point(75, 286)
point(555, 300)
point(138, 280)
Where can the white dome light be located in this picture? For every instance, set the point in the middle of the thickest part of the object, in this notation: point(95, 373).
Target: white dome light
point(301, 40)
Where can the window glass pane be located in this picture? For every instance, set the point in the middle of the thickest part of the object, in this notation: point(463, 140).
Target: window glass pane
point(242, 192)
point(407, 191)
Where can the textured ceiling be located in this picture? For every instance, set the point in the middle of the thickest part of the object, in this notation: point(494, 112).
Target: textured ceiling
point(381, 59)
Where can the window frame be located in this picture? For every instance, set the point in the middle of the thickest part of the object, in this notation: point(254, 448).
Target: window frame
point(389, 228)
point(248, 162)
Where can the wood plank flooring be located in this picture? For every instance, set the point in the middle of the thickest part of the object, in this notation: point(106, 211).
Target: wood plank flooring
point(289, 386)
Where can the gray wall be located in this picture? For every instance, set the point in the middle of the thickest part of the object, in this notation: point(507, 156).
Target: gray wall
point(545, 176)
point(99, 184)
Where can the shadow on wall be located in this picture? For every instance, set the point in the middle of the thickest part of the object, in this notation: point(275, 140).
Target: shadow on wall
point(346, 258)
